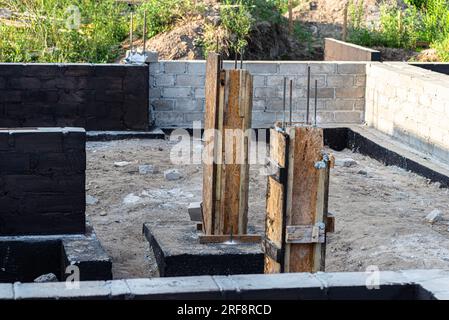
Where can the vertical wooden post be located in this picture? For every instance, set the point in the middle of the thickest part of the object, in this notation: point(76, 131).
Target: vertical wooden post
point(297, 199)
point(227, 118)
point(213, 67)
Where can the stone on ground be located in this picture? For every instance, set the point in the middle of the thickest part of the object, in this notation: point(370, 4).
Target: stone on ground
point(347, 162)
point(434, 216)
point(172, 175)
point(49, 277)
point(132, 199)
point(91, 200)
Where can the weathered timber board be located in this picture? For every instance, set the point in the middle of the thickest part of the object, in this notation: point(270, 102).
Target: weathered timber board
point(306, 147)
point(210, 122)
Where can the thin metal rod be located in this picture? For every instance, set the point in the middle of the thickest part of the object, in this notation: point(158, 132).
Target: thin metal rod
point(236, 60)
point(144, 32)
point(308, 95)
point(284, 101)
point(131, 33)
point(218, 45)
point(241, 58)
point(291, 100)
point(316, 99)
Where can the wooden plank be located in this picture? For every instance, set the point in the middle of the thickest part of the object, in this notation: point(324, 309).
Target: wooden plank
point(246, 238)
point(245, 107)
point(274, 223)
point(219, 152)
point(210, 122)
point(306, 234)
point(272, 250)
point(306, 145)
point(330, 223)
point(233, 147)
point(274, 209)
point(271, 266)
point(277, 147)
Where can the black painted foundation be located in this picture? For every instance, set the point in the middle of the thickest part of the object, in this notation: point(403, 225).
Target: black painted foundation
point(178, 253)
point(25, 258)
point(341, 138)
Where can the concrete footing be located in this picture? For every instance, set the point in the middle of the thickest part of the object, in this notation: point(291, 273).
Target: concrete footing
point(124, 135)
point(388, 285)
point(24, 258)
point(178, 253)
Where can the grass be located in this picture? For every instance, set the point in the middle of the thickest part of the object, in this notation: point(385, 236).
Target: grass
point(63, 31)
point(422, 21)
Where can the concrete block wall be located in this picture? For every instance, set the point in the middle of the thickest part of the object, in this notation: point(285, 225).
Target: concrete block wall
point(177, 91)
point(410, 104)
point(95, 97)
point(42, 181)
point(336, 50)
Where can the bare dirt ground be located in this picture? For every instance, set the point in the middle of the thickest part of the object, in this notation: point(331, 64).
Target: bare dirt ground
point(380, 211)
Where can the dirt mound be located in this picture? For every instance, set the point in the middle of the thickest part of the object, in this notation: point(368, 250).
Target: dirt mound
point(271, 42)
point(428, 55)
point(179, 42)
point(267, 41)
point(396, 54)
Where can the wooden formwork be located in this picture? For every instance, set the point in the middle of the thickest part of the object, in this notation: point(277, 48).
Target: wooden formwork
point(297, 201)
point(225, 179)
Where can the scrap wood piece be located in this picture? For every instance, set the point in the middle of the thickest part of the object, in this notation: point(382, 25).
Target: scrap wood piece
point(246, 238)
point(306, 233)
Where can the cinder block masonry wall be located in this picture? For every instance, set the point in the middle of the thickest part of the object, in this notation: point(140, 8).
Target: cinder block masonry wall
point(177, 91)
point(336, 50)
point(411, 104)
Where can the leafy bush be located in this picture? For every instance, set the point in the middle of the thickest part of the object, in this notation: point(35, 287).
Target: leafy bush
point(420, 21)
point(417, 3)
point(442, 48)
point(237, 19)
point(162, 14)
point(48, 31)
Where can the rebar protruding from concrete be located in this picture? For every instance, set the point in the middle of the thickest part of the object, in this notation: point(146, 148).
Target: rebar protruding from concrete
point(144, 32)
point(241, 58)
point(291, 100)
point(284, 102)
point(316, 99)
point(236, 60)
point(308, 95)
point(131, 33)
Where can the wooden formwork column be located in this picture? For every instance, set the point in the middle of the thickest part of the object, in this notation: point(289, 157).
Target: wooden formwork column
point(227, 119)
point(297, 199)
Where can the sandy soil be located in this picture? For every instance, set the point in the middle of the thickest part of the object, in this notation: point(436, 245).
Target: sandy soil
point(379, 210)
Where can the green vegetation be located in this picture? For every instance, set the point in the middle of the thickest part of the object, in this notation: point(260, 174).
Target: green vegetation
point(62, 31)
point(238, 18)
point(163, 14)
point(425, 21)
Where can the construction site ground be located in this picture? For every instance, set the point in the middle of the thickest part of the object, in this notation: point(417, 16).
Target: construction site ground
point(380, 211)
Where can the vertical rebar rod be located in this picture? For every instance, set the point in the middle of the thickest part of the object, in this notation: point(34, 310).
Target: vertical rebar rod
point(131, 33)
point(144, 32)
point(236, 60)
point(316, 99)
point(308, 95)
point(291, 101)
point(284, 101)
point(241, 58)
